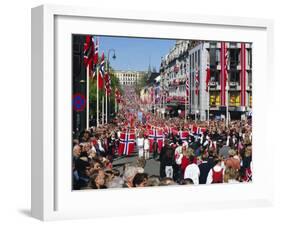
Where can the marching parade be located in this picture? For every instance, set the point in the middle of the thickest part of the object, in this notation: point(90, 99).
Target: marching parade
point(134, 145)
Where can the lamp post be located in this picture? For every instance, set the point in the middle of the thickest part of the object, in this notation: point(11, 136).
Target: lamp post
point(107, 67)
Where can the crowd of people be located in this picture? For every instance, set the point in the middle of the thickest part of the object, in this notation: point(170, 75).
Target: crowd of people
point(214, 153)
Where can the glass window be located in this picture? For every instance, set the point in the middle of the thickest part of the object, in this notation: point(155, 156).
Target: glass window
point(249, 57)
point(234, 76)
point(233, 56)
point(249, 78)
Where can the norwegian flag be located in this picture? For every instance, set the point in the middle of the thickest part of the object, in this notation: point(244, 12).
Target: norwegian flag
point(127, 143)
point(156, 134)
point(101, 72)
point(187, 85)
point(208, 77)
point(183, 135)
point(88, 52)
point(198, 130)
point(197, 81)
point(107, 83)
point(96, 55)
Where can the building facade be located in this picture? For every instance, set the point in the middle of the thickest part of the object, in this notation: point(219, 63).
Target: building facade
point(174, 70)
point(230, 85)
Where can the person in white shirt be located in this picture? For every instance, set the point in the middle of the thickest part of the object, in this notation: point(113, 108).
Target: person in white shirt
point(140, 145)
point(192, 171)
point(146, 147)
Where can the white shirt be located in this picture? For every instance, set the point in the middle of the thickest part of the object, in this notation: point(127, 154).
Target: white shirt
point(146, 144)
point(192, 171)
point(178, 154)
point(140, 143)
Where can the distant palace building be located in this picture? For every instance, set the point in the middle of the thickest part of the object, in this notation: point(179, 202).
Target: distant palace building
point(129, 78)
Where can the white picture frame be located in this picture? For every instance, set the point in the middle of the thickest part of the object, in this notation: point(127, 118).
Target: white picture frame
point(51, 106)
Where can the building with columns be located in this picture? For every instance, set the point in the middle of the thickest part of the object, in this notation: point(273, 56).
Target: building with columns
point(129, 78)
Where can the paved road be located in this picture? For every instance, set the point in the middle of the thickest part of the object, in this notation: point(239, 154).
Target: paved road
point(151, 168)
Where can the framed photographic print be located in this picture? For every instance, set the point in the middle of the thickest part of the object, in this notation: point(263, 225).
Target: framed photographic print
point(148, 110)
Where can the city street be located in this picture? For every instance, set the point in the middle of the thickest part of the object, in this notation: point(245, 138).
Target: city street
point(151, 167)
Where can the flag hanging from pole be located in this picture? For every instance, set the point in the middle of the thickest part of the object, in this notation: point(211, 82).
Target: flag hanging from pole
point(225, 64)
point(208, 77)
point(96, 54)
point(88, 52)
point(196, 81)
point(101, 72)
point(187, 85)
point(107, 82)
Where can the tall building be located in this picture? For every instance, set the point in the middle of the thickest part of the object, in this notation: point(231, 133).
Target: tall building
point(230, 84)
point(174, 70)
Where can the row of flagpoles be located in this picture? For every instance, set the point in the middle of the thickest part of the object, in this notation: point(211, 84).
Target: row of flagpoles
point(96, 68)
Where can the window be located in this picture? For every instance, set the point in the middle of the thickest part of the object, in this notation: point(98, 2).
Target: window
point(249, 78)
point(233, 58)
point(214, 99)
point(249, 57)
point(234, 76)
point(214, 58)
point(234, 99)
point(215, 76)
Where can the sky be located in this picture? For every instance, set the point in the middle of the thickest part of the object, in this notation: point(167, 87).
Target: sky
point(135, 53)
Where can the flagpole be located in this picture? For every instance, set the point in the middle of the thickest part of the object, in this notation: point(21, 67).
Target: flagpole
point(102, 109)
point(227, 117)
point(208, 116)
point(88, 98)
point(106, 106)
point(97, 71)
point(185, 107)
point(115, 102)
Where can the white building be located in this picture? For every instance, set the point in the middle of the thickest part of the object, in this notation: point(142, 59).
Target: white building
point(129, 78)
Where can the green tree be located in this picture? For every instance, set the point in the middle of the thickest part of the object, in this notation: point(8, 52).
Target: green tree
point(111, 98)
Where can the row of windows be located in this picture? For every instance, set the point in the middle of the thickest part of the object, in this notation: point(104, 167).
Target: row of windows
point(233, 99)
point(127, 79)
point(234, 57)
point(233, 76)
point(128, 83)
